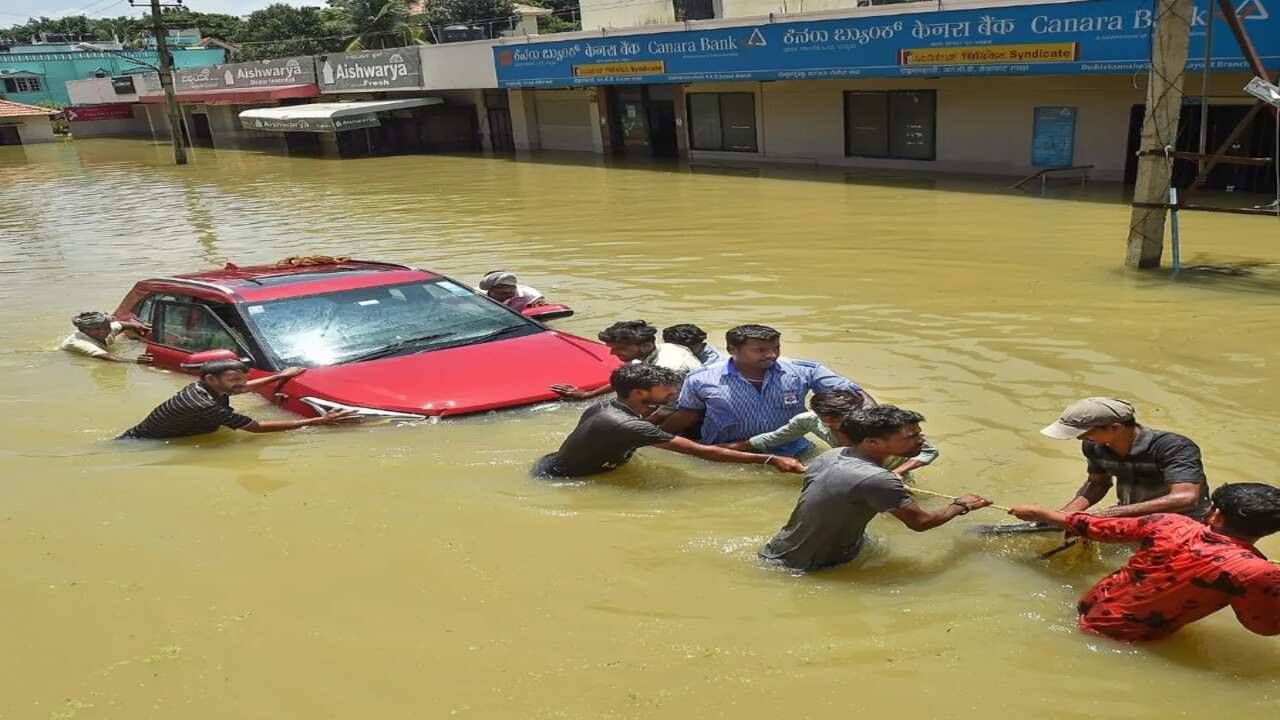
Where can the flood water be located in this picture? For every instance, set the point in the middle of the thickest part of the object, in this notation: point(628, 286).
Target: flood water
point(409, 572)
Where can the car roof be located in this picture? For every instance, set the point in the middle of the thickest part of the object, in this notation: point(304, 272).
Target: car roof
point(281, 280)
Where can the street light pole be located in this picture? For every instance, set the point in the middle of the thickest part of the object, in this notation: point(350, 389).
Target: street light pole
point(166, 83)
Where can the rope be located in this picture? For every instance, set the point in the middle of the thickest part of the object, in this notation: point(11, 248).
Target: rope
point(953, 498)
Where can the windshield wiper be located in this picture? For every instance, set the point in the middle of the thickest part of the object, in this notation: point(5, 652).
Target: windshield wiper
point(396, 347)
point(497, 333)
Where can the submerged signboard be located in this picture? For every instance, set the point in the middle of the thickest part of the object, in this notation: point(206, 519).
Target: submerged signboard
point(310, 124)
point(370, 70)
point(281, 72)
point(1091, 37)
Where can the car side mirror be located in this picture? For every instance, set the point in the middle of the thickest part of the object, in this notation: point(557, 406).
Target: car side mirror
point(200, 358)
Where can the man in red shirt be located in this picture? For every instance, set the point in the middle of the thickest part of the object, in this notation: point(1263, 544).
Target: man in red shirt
point(1184, 569)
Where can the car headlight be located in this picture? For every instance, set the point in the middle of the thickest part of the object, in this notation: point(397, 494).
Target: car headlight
point(324, 406)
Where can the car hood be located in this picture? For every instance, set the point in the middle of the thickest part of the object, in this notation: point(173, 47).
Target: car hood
point(468, 379)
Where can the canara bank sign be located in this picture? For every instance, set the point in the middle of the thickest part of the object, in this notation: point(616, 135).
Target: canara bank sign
point(1092, 37)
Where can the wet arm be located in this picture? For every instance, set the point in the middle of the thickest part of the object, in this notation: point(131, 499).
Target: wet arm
point(1181, 498)
point(1086, 525)
point(680, 421)
point(1091, 493)
point(919, 519)
point(796, 428)
point(1259, 608)
point(716, 453)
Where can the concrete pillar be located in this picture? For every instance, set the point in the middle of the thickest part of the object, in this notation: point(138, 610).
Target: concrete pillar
point(593, 109)
point(1171, 36)
point(524, 120)
point(682, 121)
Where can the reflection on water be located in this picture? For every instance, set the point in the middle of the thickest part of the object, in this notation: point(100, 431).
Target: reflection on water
point(416, 571)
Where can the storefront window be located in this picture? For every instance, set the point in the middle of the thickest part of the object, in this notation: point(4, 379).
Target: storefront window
point(722, 121)
point(898, 124)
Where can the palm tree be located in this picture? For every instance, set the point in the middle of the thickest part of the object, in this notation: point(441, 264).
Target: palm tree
point(376, 24)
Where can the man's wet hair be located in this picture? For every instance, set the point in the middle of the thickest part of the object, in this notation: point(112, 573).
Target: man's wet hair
point(91, 320)
point(684, 334)
point(877, 422)
point(739, 335)
point(218, 367)
point(637, 376)
point(836, 403)
point(1249, 509)
point(629, 332)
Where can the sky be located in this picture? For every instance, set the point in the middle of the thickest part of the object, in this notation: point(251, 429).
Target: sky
point(13, 12)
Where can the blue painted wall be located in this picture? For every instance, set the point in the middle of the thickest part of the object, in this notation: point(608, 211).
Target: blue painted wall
point(57, 68)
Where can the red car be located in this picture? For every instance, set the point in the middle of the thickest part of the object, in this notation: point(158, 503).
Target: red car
point(387, 340)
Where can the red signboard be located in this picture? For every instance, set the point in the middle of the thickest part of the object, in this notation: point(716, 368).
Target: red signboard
point(85, 113)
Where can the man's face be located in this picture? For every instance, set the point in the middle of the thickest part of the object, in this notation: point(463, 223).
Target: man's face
point(657, 396)
point(756, 354)
point(906, 442)
point(99, 332)
point(231, 382)
point(831, 421)
point(1104, 435)
point(502, 293)
point(628, 352)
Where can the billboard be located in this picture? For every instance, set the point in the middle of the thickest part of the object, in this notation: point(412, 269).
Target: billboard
point(1069, 38)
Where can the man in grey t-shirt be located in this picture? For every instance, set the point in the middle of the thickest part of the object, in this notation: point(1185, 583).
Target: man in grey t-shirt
point(844, 488)
point(608, 434)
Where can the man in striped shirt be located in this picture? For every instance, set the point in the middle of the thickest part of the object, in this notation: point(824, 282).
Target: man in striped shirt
point(204, 406)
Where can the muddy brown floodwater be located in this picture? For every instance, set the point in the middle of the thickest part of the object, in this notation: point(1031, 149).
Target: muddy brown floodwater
point(410, 572)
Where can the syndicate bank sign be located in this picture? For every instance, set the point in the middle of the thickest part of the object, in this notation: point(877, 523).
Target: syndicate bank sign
point(1050, 38)
point(370, 70)
point(262, 74)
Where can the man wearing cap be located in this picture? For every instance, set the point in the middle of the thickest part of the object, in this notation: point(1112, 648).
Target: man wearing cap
point(506, 289)
point(96, 331)
point(1154, 471)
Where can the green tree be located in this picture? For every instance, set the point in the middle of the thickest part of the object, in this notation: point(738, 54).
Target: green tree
point(494, 15)
point(283, 30)
point(565, 19)
point(374, 24)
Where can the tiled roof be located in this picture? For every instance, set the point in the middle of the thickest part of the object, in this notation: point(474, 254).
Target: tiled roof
point(13, 109)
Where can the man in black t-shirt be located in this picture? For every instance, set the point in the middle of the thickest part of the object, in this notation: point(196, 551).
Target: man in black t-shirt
point(1154, 471)
point(609, 433)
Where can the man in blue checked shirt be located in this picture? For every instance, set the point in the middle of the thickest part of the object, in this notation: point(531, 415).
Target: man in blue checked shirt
point(754, 391)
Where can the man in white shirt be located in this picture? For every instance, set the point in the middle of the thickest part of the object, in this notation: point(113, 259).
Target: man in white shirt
point(506, 289)
point(95, 331)
point(635, 341)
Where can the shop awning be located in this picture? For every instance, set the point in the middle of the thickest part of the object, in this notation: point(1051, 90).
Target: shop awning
point(327, 117)
point(238, 96)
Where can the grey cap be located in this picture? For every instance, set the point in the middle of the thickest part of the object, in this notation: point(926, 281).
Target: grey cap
point(1082, 416)
point(497, 277)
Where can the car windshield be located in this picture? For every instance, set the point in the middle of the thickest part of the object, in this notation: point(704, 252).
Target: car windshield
point(368, 323)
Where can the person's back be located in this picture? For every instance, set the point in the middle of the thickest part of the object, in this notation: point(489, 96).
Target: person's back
point(842, 493)
point(606, 437)
point(1183, 571)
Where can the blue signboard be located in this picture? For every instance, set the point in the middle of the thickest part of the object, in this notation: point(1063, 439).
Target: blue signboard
point(1071, 38)
point(1053, 136)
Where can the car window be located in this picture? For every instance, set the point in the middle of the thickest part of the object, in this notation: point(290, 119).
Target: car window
point(339, 327)
point(191, 328)
point(145, 309)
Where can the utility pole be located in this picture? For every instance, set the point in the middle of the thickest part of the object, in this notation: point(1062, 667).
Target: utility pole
point(166, 83)
point(1171, 36)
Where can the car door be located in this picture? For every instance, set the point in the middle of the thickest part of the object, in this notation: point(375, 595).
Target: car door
point(182, 331)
